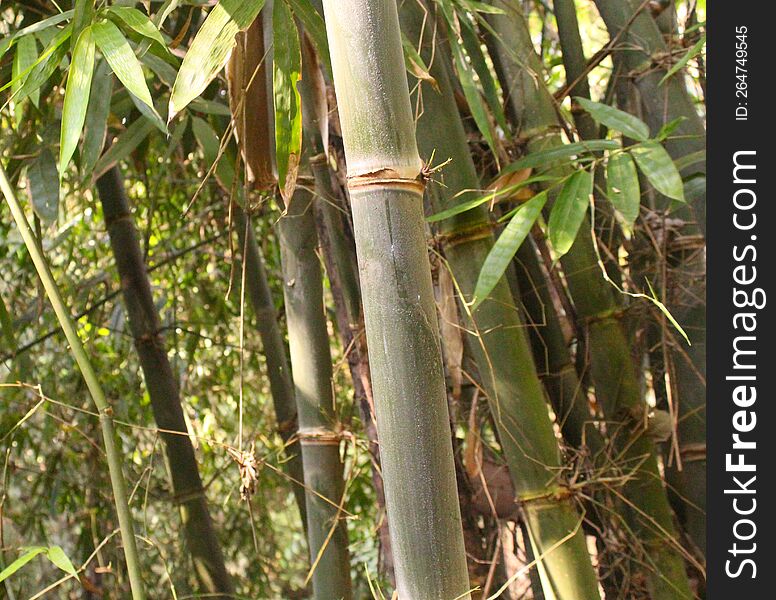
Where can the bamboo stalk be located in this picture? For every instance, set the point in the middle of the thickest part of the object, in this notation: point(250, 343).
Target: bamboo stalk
point(312, 373)
point(386, 190)
point(278, 372)
point(617, 387)
point(339, 256)
point(188, 493)
point(500, 346)
point(112, 451)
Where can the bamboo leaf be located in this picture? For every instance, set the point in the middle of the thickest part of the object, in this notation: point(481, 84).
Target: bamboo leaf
point(40, 65)
point(616, 119)
point(473, 49)
point(506, 245)
point(659, 169)
point(25, 57)
point(694, 158)
point(415, 64)
point(622, 188)
point(473, 97)
point(569, 210)
point(79, 82)
point(96, 124)
point(21, 561)
point(57, 556)
point(315, 27)
point(139, 22)
point(6, 325)
point(491, 196)
point(8, 41)
point(211, 150)
point(43, 182)
point(210, 49)
point(122, 60)
point(551, 155)
point(680, 64)
point(286, 73)
point(125, 144)
point(668, 128)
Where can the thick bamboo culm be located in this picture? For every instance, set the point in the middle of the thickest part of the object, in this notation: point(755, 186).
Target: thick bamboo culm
point(386, 191)
point(500, 346)
point(339, 255)
point(187, 490)
point(686, 285)
point(617, 388)
point(308, 340)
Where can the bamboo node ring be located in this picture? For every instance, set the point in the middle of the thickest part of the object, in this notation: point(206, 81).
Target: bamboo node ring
point(318, 436)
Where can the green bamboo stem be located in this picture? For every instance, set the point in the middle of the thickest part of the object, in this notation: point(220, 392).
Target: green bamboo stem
point(573, 55)
point(500, 346)
point(617, 387)
point(278, 372)
point(311, 366)
point(188, 493)
point(386, 191)
point(686, 285)
point(112, 451)
point(339, 256)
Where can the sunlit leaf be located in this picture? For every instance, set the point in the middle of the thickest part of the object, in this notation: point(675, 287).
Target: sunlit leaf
point(28, 555)
point(659, 169)
point(286, 73)
point(30, 76)
point(57, 556)
point(25, 57)
point(490, 196)
point(122, 60)
point(210, 49)
point(139, 22)
point(616, 119)
point(506, 245)
point(79, 82)
point(569, 210)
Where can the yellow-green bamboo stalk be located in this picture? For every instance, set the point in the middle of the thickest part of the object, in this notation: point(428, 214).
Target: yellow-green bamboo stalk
point(112, 452)
point(386, 189)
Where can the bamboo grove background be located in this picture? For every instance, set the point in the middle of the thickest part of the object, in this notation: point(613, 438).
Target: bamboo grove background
point(360, 299)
